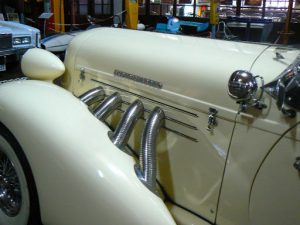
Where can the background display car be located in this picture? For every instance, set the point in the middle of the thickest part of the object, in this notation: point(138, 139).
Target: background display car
point(175, 26)
point(149, 135)
point(16, 39)
point(58, 43)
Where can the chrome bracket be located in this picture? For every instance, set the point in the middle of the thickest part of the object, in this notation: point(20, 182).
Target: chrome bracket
point(82, 76)
point(212, 119)
point(297, 164)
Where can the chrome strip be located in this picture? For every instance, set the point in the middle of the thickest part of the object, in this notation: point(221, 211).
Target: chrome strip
point(149, 99)
point(138, 79)
point(170, 119)
point(171, 130)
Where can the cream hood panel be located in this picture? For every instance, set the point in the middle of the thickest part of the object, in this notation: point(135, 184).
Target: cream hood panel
point(155, 56)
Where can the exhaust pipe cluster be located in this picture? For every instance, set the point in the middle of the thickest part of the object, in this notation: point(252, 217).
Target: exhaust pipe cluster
point(146, 169)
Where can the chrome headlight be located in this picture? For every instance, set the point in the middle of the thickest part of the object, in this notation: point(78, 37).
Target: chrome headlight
point(17, 41)
point(242, 85)
point(26, 40)
point(243, 88)
point(21, 40)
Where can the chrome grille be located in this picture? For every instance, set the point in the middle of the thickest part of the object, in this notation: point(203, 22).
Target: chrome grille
point(5, 41)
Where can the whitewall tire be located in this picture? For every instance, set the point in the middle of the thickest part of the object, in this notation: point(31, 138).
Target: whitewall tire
point(18, 200)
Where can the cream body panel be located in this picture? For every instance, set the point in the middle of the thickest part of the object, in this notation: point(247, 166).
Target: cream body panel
point(191, 172)
point(183, 217)
point(269, 67)
point(155, 56)
point(81, 177)
point(189, 168)
point(248, 197)
point(274, 197)
point(182, 64)
point(248, 148)
point(41, 65)
point(255, 175)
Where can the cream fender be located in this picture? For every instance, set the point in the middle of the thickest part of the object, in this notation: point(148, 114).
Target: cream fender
point(81, 177)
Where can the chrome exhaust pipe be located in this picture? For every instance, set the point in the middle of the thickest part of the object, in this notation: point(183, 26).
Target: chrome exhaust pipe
point(92, 96)
point(146, 170)
point(110, 104)
point(122, 133)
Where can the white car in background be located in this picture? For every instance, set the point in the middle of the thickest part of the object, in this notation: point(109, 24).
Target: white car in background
point(15, 40)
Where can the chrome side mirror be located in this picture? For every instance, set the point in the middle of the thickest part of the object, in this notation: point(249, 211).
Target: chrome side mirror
point(243, 87)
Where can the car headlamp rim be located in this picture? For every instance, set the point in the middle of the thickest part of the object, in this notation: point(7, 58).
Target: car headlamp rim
point(21, 40)
point(26, 40)
point(242, 85)
point(17, 40)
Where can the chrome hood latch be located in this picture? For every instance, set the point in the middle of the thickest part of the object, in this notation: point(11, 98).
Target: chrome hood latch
point(212, 119)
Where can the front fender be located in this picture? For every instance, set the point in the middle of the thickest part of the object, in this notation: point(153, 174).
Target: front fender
point(81, 177)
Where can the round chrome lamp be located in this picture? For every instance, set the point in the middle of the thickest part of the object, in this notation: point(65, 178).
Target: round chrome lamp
point(242, 86)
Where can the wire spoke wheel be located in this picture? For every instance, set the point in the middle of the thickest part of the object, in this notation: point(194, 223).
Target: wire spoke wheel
point(10, 190)
point(18, 196)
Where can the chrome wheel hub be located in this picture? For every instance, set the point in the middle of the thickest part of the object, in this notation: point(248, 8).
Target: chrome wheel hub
point(10, 190)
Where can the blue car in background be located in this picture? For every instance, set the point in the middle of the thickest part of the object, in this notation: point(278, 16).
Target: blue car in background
point(176, 26)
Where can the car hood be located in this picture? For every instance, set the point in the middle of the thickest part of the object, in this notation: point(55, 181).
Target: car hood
point(5, 30)
point(17, 28)
point(181, 65)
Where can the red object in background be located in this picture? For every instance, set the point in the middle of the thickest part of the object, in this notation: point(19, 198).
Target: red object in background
point(253, 2)
point(50, 28)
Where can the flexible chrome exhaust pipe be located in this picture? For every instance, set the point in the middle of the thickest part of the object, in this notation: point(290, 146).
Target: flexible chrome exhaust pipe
point(110, 104)
point(92, 96)
point(146, 170)
point(122, 133)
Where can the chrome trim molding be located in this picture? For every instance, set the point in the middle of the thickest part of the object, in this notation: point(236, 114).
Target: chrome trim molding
point(167, 118)
point(138, 79)
point(169, 129)
point(104, 109)
point(148, 99)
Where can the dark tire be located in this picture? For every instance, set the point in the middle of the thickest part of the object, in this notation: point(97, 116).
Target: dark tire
point(18, 196)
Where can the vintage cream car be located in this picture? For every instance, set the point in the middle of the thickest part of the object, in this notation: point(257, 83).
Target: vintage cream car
point(153, 129)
